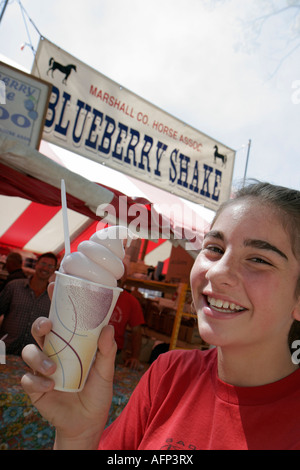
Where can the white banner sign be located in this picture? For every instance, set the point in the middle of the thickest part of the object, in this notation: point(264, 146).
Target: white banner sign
point(97, 118)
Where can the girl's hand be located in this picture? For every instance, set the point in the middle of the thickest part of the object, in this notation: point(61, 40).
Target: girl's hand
point(80, 417)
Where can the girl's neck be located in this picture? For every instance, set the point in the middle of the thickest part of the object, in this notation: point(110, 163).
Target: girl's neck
point(250, 368)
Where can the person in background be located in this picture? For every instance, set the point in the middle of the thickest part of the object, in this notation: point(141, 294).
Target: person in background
point(128, 312)
point(24, 300)
point(13, 266)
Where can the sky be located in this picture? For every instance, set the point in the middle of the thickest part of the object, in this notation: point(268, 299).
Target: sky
point(202, 61)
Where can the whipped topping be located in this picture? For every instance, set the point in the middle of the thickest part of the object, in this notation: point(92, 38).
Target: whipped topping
point(99, 259)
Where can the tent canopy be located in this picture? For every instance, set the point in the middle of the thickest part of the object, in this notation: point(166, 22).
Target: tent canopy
point(30, 204)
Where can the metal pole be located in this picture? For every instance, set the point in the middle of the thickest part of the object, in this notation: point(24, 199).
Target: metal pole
point(247, 160)
point(3, 10)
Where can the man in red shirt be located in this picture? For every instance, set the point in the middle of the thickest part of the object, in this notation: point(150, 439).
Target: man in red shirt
point(128, 311)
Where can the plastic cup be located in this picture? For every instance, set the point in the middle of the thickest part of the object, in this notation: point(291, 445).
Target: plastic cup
point(79, 310)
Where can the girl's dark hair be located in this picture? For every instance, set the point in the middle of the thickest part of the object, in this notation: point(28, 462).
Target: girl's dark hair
point(287, 204)
point(285, 200)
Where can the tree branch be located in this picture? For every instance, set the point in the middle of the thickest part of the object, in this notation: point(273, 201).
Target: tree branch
point(284, 59)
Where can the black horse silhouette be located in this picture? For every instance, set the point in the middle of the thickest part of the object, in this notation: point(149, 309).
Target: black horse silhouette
point(66, 69)
point(218, 155)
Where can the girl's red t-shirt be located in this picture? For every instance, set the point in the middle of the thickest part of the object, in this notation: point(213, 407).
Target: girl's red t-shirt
point(181, 404)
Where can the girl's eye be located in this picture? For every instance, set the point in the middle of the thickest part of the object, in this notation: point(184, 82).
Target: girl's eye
point(260, 261)
point(213, 249)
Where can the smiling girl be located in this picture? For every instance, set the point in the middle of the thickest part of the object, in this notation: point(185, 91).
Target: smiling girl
point(242, 394)
point(245, 284)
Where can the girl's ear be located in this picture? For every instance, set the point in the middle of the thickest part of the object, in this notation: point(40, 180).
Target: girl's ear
point(296, 311)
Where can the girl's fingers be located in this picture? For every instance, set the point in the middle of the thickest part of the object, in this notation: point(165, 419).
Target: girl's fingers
point(106, 343)
point(40, 328)
point(37, 360)
point(34, 385)
point(37, 382)
point(50, 289)
point(105, 357)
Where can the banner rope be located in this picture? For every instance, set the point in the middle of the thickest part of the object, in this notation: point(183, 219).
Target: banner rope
point(24, 12)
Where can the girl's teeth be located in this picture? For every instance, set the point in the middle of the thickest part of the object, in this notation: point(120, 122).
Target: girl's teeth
point(223, 304)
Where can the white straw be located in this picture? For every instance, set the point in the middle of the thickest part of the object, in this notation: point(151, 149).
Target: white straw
point(65, 218)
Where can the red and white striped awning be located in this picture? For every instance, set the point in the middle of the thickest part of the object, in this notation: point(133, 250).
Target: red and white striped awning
point(30, 201)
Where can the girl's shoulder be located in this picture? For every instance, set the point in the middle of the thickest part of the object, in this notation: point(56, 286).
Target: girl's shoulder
point(179, 361)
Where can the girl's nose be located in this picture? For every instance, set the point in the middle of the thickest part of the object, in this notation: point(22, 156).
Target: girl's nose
point(223, 271)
